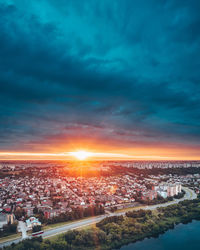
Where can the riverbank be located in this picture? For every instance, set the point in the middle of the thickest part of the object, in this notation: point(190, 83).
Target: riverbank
point(182, 237)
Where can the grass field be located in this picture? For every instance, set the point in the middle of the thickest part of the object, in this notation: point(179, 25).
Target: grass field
point(52, 226)
point(129, 209)
point(10, 237)
point(86, 227)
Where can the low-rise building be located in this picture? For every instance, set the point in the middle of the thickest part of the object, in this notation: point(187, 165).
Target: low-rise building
point(31, 222)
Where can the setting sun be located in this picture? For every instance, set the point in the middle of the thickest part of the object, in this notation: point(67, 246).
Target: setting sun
point(81, 155)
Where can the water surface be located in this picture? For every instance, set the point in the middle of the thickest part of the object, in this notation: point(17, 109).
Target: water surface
point(182, 237)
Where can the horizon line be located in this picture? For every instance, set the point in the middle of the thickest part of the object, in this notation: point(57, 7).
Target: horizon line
point(92, 156)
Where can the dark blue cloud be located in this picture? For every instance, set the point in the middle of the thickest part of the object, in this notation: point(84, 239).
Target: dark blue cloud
point(127, 71)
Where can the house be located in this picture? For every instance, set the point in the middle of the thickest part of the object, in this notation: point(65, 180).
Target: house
point(31, 222)
point(3, 220)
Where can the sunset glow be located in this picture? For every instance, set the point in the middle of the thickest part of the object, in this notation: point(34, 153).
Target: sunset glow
point(69, 92)
point(80, 155)
point(84, 154)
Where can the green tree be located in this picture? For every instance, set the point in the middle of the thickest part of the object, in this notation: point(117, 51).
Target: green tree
point(35, 210)
point(37, 228)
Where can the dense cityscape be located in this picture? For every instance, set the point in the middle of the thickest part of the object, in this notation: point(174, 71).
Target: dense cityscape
point(34, 195)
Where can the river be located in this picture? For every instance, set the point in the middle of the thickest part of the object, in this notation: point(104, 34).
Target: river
point(182, 237)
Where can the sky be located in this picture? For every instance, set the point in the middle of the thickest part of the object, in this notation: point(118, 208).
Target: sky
point(120, 77)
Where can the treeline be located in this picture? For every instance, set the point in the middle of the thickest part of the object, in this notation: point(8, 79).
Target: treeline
point(36, 228)
point(111, 219)
point(138, 214)
point(75, 214)
point(8, 229)
point(173, 171)
point(157, 171)
point(114, 232)
point(183, 212)
point(160, 199)
point(180, 195)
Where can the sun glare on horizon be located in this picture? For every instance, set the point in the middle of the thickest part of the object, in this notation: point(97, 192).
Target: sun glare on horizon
point(81, 155)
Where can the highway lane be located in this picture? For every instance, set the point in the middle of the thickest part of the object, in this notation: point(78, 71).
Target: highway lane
point(73, 225)
point(61, 229)
point(189, 195)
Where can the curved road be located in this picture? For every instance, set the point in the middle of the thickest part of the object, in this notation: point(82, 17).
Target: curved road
point(189, 195)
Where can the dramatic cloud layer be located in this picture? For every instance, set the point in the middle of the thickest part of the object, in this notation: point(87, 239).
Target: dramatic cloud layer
point(114, 74)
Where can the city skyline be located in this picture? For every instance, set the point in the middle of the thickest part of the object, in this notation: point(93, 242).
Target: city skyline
point(90, 156)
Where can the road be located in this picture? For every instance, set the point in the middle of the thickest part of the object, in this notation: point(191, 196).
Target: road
point(189, 195)
point(22, 228)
